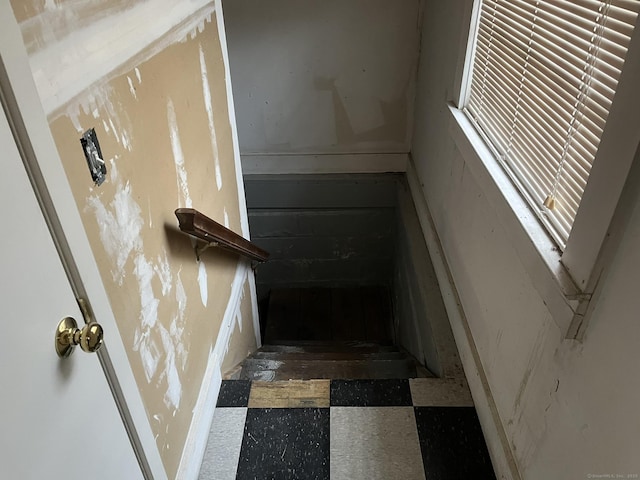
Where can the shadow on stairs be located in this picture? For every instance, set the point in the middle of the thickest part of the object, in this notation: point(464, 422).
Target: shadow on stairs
point(330, 333)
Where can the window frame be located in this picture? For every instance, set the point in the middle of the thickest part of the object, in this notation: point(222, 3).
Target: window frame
point(567, 280)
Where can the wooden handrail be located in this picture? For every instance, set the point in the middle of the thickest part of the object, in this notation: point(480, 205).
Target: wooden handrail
point(194, 223)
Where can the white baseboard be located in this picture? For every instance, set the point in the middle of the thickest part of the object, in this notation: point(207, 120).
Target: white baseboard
point(501, 455)
point(254, 164)
point(254, 310)
point(198, 434)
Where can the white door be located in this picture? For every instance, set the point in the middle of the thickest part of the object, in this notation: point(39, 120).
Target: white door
point(58, 418)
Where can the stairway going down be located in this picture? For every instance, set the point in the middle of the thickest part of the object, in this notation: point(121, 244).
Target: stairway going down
point(329, 396)
point(330, 334)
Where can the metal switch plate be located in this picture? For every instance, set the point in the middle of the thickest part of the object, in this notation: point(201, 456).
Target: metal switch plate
point(93, 154)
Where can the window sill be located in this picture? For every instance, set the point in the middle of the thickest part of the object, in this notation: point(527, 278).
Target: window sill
point(538, 253)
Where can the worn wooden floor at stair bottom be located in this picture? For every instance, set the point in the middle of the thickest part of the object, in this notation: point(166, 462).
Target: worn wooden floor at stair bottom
point(256, 369)
point(338, 314)
point(329, 360)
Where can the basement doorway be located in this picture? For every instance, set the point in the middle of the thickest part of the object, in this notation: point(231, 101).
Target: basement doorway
point(353, 243)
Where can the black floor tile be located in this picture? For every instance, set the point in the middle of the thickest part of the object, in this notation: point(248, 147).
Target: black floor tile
point(234, 393)
point(370, 393)
point(291, 443)
point(452, 444)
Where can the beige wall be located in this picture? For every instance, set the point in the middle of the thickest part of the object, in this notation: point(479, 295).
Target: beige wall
point(568, 408)
point(162, 119)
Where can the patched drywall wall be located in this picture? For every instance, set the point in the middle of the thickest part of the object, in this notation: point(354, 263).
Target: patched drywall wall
point(335, 76)
point(160, 110)
point(568, 409)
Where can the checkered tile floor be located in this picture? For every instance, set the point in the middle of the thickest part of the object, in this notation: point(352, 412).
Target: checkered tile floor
point(346, 429)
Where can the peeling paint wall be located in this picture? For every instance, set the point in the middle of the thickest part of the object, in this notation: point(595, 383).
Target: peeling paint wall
point(335, 76)
point(160, 110)
point(569, 409)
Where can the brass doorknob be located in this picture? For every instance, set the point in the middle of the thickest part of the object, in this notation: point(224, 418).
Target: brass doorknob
point(68, 335)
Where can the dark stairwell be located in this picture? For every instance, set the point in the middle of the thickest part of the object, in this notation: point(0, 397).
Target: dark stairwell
point(353, 327)
point(331, 333)
point(333, 241)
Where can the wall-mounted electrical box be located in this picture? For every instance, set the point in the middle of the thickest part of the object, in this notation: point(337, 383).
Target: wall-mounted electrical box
point(93, 154)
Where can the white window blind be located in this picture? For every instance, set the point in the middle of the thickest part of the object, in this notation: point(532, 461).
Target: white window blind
point(544, 74)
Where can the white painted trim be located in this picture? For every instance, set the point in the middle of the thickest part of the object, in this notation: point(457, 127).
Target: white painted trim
point(608, 174)
point(535, 248)
point(64, 217)
point(242, 202)
point(97, 51)
point(467, 52)
point(196, 441)
point(501, 455)
point(619, 223)
point(327, 163)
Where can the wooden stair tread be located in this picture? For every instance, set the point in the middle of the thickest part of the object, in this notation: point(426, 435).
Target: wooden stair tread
point(329, 348)
point(341, 355)
point(330, 333)
point(329, 343)
point(269, 370)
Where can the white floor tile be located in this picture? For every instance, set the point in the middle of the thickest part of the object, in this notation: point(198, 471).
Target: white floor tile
point(437, 392)
point(223, 448)
point(375, 443)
